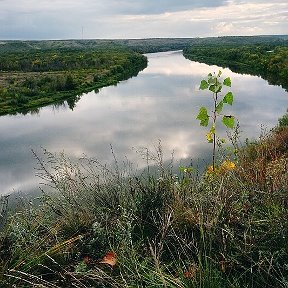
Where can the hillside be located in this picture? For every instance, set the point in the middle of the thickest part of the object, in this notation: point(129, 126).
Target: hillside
point(139, 45)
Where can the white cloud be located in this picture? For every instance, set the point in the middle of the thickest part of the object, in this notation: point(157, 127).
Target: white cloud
point(224, 28)
point(231, 19)
point(139, 19)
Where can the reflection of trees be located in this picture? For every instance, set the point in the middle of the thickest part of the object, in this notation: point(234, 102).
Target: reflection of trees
point(34, 111)
point(71, 102)
point(55, 77)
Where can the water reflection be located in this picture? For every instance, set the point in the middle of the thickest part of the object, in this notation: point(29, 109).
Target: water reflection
point(161, 103)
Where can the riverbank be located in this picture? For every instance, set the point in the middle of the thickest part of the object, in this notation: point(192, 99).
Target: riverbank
point(103, 229)
point(270, 61)
point(31, 80)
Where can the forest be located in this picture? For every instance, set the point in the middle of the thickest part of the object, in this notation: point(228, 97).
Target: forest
point(270, 61)
point(29, 80)
point(147, 45)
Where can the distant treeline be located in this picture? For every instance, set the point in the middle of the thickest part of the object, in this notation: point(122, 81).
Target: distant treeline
point(270, 61)
point(148, 45)
point(29, 79)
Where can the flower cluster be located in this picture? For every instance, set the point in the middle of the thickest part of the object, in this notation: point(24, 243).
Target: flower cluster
point(223, 168)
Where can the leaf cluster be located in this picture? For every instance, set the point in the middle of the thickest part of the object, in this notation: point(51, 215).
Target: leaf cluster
point(215, 85)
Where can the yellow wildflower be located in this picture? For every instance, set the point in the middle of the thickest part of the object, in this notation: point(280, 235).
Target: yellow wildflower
point(210, 169)
point(227, 165)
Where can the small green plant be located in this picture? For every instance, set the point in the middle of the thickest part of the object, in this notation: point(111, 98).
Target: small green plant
point(215, 84)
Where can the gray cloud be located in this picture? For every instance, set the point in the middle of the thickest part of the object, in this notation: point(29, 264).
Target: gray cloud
point(62, 19)
point(158, 7)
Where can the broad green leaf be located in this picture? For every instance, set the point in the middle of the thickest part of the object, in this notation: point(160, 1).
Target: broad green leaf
point(219, 107)
point(215, 88)
point(228, 98)
point(203, 117)
point(227, 82)
point(228, 121)
point(204, 85)
point(212, 88)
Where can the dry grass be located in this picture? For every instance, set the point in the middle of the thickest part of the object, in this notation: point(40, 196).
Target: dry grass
point(215, 230)
point(265, 163)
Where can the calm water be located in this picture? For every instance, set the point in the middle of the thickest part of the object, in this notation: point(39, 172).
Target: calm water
point(161, 103)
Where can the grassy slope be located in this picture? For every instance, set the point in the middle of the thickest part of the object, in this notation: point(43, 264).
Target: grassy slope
point(227, 229)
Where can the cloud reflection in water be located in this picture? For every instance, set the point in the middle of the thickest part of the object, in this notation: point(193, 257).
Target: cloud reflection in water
point(161, 103)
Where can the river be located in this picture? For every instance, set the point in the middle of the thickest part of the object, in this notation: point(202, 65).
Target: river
point(160, 103)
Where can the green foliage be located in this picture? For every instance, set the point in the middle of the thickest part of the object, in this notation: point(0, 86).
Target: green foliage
point(215, 84)
point(269, 60)
point(204, 85)
point(229, 121)
point(140, 45)
point(227, 82)
point(203, 117)
point(32, 80)
point(228, 98)
point(81, 268)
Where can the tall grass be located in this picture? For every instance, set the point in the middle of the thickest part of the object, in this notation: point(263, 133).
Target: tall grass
point(221, 229)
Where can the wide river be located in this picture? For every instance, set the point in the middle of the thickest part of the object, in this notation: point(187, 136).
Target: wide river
point(160, 103)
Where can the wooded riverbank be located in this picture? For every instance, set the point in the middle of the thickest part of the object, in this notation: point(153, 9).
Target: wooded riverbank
point(266, 60)
point(31, 80)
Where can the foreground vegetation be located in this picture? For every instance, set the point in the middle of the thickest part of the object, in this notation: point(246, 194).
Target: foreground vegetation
point(30, 80)
point(108, 227)
point(270, 61)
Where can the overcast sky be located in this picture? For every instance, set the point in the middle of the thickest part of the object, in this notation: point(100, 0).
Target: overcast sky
point(71, 19)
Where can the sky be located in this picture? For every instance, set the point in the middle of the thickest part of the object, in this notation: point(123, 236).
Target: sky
point(114, 19)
